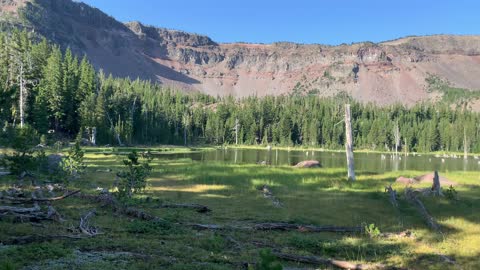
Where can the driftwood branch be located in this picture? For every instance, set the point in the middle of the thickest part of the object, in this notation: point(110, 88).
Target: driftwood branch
point(330, 262)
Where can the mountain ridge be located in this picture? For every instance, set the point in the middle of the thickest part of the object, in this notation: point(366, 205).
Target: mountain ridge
point(384, 73)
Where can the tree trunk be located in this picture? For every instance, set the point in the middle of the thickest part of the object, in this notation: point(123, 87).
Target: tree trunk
point(93, 139)
point(236, 131)
point(185, 136)
point(22, 99)
point(349, 144)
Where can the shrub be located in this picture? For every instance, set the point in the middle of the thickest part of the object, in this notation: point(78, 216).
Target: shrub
point(133, 179)
point(72, 165)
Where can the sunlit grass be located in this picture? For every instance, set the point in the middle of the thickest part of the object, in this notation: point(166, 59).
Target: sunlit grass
point(311, 196)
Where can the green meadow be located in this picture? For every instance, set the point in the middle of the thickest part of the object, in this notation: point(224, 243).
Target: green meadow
point(320, 196)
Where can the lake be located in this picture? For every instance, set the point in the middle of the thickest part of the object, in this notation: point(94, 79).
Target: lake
point(373, 162)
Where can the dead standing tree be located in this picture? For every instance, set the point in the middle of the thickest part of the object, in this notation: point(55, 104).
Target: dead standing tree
point(349, 144)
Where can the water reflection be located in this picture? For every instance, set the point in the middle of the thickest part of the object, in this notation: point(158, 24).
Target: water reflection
point(363, 161)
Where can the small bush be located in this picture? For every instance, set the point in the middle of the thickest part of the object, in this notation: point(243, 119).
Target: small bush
point(451, 194)
point(133, 179)
point(372, 230)
point(72, 165)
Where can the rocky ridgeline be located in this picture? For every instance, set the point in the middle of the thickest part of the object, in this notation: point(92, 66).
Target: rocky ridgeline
point(383, 73)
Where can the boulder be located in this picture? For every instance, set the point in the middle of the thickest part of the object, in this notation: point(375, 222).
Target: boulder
point(427, 178)
point(308, 164)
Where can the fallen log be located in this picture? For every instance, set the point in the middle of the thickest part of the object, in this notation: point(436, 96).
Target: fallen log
point(20, 210)
point(279, 227)
point(267, 193)
point(330, 262)
point(32, 200)
point(108, 200)
point(412, 196)
point(198, 207)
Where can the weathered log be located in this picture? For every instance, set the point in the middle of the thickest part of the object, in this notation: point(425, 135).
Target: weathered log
point(308, 164)
point(20, 210)
point(198, 207)
point(108, 200)
point(393, 195)
point(329, 262)
point(279, 227)
point(412, 196)
point(31, 200)
point(267, 193)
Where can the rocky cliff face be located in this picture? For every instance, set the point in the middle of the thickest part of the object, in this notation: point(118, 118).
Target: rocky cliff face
point(383, 73)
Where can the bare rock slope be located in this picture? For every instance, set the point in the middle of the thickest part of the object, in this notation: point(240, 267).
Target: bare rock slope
point(384, 73)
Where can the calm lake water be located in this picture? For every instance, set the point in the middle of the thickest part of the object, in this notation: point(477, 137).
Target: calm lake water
point(372, 162)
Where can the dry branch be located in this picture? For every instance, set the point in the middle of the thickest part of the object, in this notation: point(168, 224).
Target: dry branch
point(330, 262)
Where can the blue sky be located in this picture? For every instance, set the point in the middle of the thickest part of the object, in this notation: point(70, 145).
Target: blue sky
point(302, 21)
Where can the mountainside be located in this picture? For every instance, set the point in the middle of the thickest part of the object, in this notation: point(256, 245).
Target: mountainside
point(384, 73)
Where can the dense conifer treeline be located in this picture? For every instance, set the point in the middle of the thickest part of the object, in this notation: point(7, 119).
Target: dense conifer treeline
point(55, 92)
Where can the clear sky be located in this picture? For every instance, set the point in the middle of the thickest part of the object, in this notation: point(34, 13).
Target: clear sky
point(302, 21)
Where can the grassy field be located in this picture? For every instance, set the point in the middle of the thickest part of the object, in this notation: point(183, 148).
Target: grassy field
point(309, 196)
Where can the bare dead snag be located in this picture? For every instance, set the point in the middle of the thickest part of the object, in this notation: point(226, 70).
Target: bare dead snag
point(330, 262)
point(198, 207)
point(412, 196)
point(393, 195)
point(436, 188)
point(267, 193)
